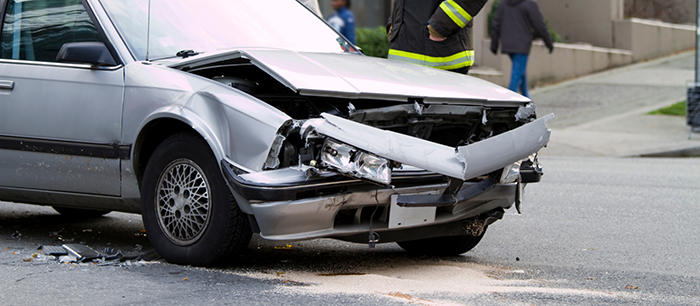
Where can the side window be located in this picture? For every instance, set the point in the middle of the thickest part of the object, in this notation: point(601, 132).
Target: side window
point(35, 30)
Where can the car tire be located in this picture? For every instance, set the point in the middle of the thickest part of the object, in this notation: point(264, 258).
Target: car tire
point(442, 246)
point(189, 213)
point(80, 213)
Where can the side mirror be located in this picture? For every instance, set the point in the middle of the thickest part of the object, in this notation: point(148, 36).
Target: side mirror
point(94, 53)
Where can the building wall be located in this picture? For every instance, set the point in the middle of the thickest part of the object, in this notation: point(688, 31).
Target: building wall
point(650, 39)
point(566, 62)
point(589, 21)
point(595, 32)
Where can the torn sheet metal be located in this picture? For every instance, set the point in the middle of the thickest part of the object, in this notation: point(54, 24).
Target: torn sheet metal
point(464, 162)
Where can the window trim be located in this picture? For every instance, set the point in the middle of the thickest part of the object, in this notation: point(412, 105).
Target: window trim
point(100, 32)
point(60, 65)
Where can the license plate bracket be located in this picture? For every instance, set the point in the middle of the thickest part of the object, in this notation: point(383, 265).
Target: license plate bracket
point(400, 217)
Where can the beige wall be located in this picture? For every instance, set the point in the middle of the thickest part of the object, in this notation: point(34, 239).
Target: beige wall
point(650, 39)
point(602, 40)
point(566, 62)
point(587, 21)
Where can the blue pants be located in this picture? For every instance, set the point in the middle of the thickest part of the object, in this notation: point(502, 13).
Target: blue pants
point(518, 76)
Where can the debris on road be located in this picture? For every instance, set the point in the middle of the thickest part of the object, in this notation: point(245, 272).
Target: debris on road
point(83, 254)
point(631, 287)
point(54, 250)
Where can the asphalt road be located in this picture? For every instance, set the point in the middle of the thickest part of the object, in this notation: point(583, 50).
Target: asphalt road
point(595, 231)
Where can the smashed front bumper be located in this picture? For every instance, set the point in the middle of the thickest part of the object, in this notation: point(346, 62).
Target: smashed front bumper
point(348, 210)
point(290, 205)
point(463, 162)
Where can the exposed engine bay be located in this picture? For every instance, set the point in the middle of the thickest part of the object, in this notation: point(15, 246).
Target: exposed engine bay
point(451, 125)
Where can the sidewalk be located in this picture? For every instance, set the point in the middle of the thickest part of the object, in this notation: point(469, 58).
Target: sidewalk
point(605, 114)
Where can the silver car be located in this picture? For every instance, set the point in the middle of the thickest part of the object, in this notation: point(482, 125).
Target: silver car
point(219, 119)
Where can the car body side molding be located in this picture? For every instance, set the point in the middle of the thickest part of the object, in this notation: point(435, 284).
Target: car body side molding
point(109, 151)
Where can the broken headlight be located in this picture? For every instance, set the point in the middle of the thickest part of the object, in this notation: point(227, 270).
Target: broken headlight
point(351, 161)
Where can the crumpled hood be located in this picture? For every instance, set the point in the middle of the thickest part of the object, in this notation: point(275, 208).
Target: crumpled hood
point(356, 76)
point(514, 2)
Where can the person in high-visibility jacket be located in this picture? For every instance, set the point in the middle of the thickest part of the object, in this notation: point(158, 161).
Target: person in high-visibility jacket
point(433, 33)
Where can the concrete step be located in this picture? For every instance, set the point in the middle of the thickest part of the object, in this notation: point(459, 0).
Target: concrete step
point(487, 73)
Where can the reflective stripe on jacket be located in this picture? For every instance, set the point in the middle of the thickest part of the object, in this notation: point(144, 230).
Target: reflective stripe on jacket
point(409, 35)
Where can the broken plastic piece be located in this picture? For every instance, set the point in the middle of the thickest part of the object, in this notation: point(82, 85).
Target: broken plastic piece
point(53, 250)
point(67, 259)
point(81, 252)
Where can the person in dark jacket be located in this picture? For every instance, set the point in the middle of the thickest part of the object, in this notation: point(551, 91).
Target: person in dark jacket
point(513, 25)
point(433, 33)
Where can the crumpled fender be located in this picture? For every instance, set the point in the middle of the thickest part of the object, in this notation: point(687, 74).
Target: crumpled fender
point(237, 126)
point(464, 162)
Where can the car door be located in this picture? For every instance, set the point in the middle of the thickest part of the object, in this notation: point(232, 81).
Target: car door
point(60, 123)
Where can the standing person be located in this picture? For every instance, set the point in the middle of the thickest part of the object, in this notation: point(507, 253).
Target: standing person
point(513, 26)
point(343, 20)
point(312, 5)
point(433, 33)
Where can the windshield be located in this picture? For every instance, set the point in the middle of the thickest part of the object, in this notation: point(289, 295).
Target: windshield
point(208, 25)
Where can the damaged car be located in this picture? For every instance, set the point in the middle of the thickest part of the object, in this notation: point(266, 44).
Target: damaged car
point(214, 123)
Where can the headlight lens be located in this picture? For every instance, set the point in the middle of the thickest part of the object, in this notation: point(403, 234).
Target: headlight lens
point(349, 160)
point(339, 157)
point(374, 168)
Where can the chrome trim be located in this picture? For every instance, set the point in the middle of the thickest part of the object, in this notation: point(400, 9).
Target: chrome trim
point(61, 65)
point(7, 85)
point(265, 189)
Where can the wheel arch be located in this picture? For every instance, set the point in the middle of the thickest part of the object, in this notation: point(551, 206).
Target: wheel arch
point(158, 128)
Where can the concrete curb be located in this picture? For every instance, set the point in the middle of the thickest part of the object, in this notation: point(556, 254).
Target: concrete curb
point(606, 73)
point(682, 153)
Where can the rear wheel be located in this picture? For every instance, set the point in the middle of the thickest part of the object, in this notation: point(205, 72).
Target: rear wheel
point(442, 246)
point(80, 213)
point(189, 213)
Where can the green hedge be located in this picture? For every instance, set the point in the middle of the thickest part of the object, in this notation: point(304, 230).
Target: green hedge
point(373, 41)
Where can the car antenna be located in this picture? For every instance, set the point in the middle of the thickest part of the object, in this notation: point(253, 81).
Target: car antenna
point(148, 30)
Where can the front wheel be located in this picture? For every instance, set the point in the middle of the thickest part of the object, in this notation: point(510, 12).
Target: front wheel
point(188, 211)
point(443, 246)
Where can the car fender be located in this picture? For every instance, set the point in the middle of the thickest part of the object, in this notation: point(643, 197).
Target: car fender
point(236, 125)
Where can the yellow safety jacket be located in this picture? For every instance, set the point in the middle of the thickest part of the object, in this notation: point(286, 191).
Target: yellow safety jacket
point(452, 19)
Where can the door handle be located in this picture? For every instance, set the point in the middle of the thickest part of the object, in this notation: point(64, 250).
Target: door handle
point(7, 85)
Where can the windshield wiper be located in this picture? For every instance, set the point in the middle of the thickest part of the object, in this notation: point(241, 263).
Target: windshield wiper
point(182, 53)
